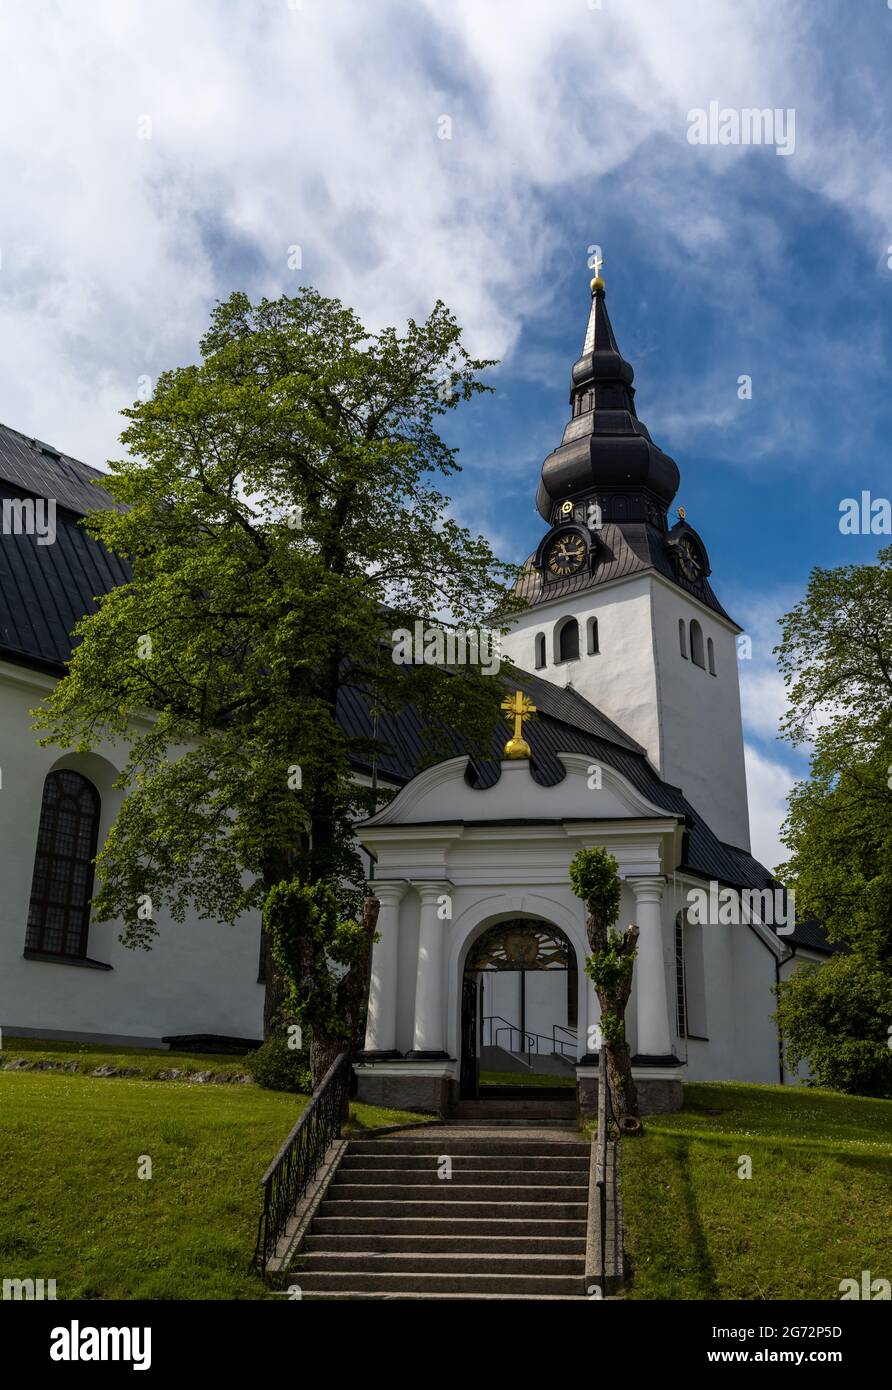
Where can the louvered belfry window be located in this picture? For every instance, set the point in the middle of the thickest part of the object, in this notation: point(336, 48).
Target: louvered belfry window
point(59, 915)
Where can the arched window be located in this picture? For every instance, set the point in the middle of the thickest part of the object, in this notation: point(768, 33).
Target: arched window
point(710, 655)
point(568, 640)
point(683, 638)
point(62, 886)
point(697, 644)
point(593, 647)
point(540, 650)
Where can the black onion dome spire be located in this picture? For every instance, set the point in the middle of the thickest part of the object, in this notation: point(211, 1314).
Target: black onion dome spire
point(606, 452)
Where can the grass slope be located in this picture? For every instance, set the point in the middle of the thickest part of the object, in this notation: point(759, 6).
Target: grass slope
point(817, 1209)
point(149, 1060)
point(74, 1209)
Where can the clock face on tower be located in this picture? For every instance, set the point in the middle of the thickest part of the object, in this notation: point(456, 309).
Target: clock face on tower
point(690, 561)
point(566, 555)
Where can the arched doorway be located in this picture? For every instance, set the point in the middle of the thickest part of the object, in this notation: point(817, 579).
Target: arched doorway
point(519, 998)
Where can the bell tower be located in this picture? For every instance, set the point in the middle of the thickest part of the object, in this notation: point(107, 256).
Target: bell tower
point(620, 607)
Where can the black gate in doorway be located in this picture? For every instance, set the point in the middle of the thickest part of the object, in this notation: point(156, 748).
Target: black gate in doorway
point(469, 1077)
point(521, 945)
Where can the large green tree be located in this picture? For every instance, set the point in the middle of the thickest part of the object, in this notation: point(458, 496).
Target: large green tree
point(280, 512)
point(836, 657)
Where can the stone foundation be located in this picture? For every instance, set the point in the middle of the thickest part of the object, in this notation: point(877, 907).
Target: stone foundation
point(661, 1095)
point(407, 1087)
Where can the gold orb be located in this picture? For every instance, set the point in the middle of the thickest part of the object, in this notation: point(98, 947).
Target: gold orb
point(597, 284)
point(517, 748)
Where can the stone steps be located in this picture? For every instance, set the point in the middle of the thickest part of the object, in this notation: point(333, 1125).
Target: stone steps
point(478, 1296)
point(462, 1175)
point(448, 1192)
point(569, 1285)
point(468, 1241)
point(366, 1228)
point(343, 1263)
point(513, 1210)
point(413, 1163)
point(509, 1223)
point(516, 1108)
point(445, 1140)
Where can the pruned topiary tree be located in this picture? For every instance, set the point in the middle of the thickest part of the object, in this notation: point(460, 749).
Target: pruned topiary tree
point(595, 880)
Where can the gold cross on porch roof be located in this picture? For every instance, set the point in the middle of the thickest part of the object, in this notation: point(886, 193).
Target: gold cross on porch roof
point(518, 707)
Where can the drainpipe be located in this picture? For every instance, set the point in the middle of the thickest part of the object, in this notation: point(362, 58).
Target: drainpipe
point(778, 962)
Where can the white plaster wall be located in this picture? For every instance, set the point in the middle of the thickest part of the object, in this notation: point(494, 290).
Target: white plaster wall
point(621, 679)
point(738, 971)
point(545, 1005)
point(688, 721)
point(199, 977)
point(701, 733)
point(756, 1044)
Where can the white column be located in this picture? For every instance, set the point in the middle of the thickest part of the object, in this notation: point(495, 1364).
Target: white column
point(380, 1028)
point(430, 1032)
point(654, 1036)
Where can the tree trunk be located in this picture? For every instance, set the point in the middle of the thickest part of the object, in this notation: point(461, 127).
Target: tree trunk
point(275, 992)
point(623, 1092)
point(276, 986)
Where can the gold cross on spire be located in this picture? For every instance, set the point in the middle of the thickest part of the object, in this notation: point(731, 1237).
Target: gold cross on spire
point(597, 282)
point(518, 707)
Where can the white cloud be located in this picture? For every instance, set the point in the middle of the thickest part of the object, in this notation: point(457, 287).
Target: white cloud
point(317, 125)
point(768, 783)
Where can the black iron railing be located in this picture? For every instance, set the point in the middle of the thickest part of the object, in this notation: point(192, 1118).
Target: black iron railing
point(300, 1158)
point(529, 1042)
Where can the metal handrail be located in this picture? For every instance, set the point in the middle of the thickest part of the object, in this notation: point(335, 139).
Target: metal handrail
point(511, 1029)
point(300, 1158)
point(559, 1042)
point(534, 1038)
point(497, 1018)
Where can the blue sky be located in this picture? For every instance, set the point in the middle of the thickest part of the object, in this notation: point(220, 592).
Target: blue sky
point(172, 152)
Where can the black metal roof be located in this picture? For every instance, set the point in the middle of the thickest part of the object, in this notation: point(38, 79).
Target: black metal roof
point(44, 471)
point(46, 589)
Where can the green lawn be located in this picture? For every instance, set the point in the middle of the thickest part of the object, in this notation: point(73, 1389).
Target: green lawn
point(525, 1078)
point(818, 1208)
point(148, 1060)
point(73, 1208)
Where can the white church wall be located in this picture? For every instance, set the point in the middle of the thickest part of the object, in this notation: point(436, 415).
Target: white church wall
point(688, 720)
point(546, 1006)
point(713, 1059)
point(741, 1039)
point(199, 977)
point(701, 738)
point(620, 679)
point(756, 1042)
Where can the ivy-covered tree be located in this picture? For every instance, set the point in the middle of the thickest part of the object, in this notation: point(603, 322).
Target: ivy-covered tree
point(836, 657)
point(594, 877)
point(279, 510)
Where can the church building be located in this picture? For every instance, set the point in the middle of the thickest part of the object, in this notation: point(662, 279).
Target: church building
point(627, 734)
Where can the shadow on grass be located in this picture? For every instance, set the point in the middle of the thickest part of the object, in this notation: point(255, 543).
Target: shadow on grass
point(680, 1153)
point(682, 1245)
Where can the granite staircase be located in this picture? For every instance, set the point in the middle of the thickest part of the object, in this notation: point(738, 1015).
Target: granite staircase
point(509, 1223)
